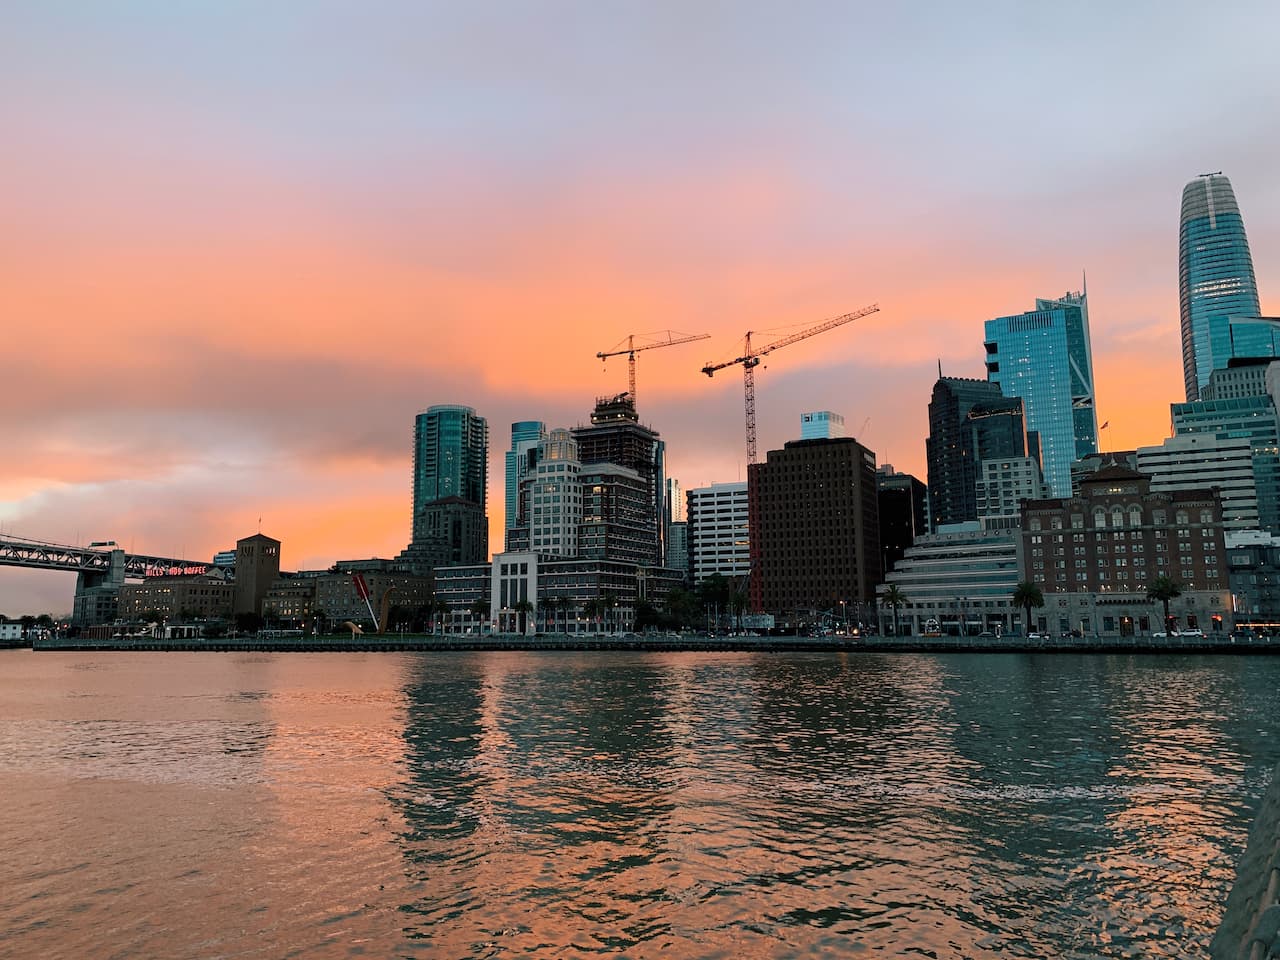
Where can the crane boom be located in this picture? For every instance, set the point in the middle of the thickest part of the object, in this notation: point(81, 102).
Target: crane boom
point(750, 359)
point(672, 339)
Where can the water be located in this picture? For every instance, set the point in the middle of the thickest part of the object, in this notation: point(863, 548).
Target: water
point(576, 805)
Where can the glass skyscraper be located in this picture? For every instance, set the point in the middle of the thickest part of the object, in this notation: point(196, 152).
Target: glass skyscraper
point(1216, 284)
point(1044, 357)
point(450, 482)
point(525, 437)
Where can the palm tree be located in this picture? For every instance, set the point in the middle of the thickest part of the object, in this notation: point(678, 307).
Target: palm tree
point(550, 605)
point(893, 597)
point(592, 610)
point(1164, 589)
point(441, 610)
point(1027, 595)
point(480, 609)
point(524, 608)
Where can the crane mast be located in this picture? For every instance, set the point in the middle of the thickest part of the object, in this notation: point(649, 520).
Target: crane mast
point(750, 359)
point(672, 338)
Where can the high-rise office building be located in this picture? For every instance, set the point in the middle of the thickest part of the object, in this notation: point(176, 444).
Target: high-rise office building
point(1216, 283)
point(814, 529)
point(903, 503)
point(450, 481)
point(615, 438)
point(525, 437)
point(718, 540)
point(1044, 357)
point(969, 421)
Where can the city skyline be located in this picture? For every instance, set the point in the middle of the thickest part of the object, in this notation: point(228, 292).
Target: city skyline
point(231, 289)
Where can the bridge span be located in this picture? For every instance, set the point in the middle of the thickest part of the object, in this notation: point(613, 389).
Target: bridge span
point(101, 570)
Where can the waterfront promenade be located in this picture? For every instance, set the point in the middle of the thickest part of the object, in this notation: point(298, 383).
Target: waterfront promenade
point(667, 642)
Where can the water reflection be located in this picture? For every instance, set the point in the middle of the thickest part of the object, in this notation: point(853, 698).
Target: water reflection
point(573, 805)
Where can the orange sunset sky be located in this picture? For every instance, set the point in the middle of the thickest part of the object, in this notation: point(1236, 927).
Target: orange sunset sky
point(243, 247)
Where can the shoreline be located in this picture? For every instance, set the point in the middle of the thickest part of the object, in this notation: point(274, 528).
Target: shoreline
point(665, 643)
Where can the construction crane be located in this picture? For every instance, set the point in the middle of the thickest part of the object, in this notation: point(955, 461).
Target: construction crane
point(751, 358)
point(631, 349)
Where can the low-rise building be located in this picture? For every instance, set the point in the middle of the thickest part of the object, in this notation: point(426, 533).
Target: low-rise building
point(207, 596)
point(1095, 556)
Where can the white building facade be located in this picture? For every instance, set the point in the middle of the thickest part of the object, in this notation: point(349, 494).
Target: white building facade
point(717, 531)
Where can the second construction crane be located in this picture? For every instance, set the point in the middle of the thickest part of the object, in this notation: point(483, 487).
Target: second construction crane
point(672, 338)
point(750, 359)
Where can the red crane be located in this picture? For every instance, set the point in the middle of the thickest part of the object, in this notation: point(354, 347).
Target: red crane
point(751, 358)
point(672, 338)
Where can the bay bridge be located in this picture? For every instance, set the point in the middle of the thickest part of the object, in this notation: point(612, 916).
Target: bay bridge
point(101, 568)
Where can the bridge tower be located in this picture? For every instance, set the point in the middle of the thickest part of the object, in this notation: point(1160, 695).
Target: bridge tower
point(97, 594)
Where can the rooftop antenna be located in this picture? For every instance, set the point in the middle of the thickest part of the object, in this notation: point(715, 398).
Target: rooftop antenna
point(939, 368)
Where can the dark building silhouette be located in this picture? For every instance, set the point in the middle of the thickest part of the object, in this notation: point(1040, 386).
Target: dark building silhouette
point(903, 505)
point(623, 510)
point(257, 567)
point(814, 528)
point(969, 421)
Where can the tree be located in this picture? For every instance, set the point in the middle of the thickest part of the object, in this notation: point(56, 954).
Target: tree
point(480, 608)
point(591, 609)
point(1027, 595)
point(549, 606)
point(1164, 589)
point(441, 611)
point(894, 598)
point(524, 608)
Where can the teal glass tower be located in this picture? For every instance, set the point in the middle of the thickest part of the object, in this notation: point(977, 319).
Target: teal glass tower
point(450, 483)
point(1044, 357)
point(525, 437)
point(1217, 289)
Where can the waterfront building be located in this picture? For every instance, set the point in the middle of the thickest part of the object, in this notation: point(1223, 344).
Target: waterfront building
point(291, 599)
point(814, 528)
point(1198, 460)
point(338, 600)
point(718, 531)
point(257, 567)
point(1005, 482)
point(450, 483)
point(207, 596)
point(1253, 563)
point(525, 437)
point(1095, 556)
point(621, 460)
point(575, 596)
point(957, 581)
point(969, 421)
point(1216, 283)
point(903, 504)
point(821, 425)
point(1044, 357)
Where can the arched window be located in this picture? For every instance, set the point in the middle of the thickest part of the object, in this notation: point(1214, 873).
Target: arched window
point(1035, 523)
point(1117, 516)
point(1099, 518)
point(1135, 515)
point(1183, 517)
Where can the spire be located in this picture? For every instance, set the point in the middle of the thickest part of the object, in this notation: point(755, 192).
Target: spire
point(939, 368)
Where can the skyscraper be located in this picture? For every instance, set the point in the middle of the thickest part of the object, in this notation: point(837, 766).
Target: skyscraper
point(814, 527)
point(616, 438)
point(969, 421)
point(1216, 283)
point(1044, 357)
point(525, 436)
point(450, 481)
